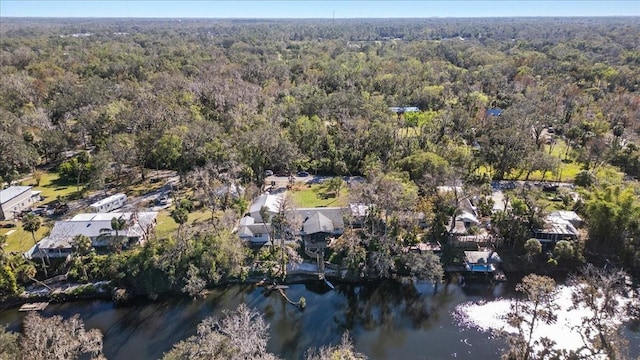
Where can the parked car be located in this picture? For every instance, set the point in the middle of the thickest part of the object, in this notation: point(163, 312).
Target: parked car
point(283, 174)
point(302, 174)
point(8, 225)
point(268, 173)
point(162, 200)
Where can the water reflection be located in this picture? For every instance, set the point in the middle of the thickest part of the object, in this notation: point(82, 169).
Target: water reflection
point(387, 320)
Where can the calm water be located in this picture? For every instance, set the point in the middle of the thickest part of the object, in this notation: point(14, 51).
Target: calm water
point(386, 320)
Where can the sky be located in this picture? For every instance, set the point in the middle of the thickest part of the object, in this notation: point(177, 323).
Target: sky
point(316, 9)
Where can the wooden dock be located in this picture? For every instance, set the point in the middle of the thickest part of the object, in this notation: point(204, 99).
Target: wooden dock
point(34, 306)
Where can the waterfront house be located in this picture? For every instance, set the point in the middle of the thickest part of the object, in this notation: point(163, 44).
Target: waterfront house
point(252, 232)
point(481, 262)
point(321, 224)
point(97, 227)
point(559, 225)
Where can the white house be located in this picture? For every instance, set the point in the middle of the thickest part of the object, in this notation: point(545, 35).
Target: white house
point(270, 202)
point(15, 199)
point(254, 233)
point(97, 227)
point(110, 203)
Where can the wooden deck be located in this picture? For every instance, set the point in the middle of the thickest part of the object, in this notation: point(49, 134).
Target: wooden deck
point(34, 306)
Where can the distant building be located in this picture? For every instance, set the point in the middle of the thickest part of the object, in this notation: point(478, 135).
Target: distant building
point(403, 109)
point(15, 199)
point(97, 227)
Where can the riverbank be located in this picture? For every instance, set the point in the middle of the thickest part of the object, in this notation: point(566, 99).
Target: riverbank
point(60, 293)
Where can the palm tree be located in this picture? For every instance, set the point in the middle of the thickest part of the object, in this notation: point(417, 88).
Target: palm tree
point(82, 248)
point(31, 223)
point(118, 224)
point(180, 215)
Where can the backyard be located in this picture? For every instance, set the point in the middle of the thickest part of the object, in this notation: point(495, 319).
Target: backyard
point(318, 195)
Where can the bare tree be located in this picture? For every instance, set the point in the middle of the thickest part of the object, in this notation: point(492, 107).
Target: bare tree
point(240, 334)
point(57, 339)
point(537, 308)
point(602, 292)
point(344, 350)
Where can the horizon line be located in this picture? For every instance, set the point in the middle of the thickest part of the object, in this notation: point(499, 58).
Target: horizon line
point(315, 18)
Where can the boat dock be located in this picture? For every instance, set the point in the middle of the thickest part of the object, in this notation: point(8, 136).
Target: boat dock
point(34, 306)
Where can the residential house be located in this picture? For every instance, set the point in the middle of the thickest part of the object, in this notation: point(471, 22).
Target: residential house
point(403, 109)
point(271, 204)
point(559, 225)
point(481, 262)
point(254, 233)
point(97, 227)
point(320, 224)
point(359, 212)
point(16, 199)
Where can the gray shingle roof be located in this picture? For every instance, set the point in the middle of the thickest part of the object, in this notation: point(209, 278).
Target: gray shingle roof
point(317, 223)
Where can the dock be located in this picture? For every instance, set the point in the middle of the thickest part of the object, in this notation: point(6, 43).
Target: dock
point(34, 306)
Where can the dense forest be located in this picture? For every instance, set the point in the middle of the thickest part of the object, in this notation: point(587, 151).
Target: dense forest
point(108, 102)
point(234, 98)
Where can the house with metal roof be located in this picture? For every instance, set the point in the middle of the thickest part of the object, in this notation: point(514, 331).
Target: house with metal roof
point(271, 203)
point(16, 199)
point(403, 109)
point(252, 232)
point(559, 225)
point(97, 227)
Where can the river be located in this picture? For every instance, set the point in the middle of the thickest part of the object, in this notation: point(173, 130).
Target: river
point(387, 320)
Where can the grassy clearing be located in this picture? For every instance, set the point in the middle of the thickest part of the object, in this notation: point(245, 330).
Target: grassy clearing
point(166, 226)
point(19, 240)
point(569, 166)
point(52, 186)
point(316, 195)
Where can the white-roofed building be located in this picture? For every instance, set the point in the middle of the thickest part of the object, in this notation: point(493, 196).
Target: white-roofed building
point(15, 199)
point(255, 233)
point(97, 227)
point(270, 202)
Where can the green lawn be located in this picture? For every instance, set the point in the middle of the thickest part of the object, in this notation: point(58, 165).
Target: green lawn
point(20, 240)
point(167, 226)
point(305, 196)
point(52, 186)
point(567, 172)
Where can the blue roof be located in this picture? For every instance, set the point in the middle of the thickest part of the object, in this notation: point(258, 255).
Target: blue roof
point(404, 109)
point(494, 112)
